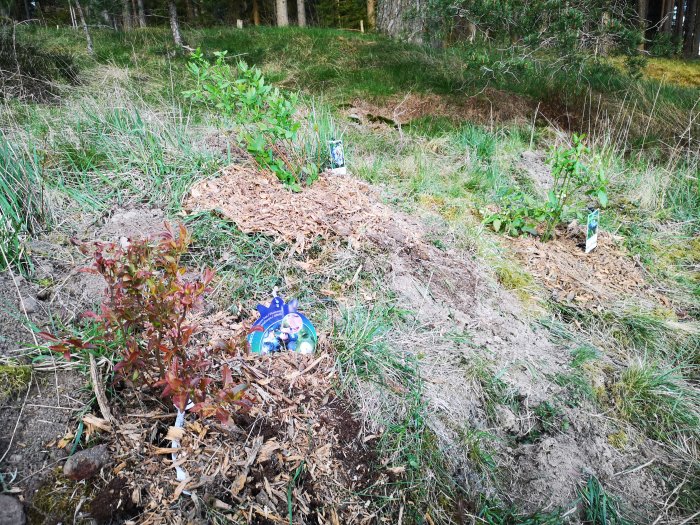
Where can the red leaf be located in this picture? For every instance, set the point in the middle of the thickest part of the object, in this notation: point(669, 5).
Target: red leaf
point(180, 401)
point(48, 336)
point(226, 375)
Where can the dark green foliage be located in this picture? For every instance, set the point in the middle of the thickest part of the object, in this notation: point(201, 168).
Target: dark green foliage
point(346, 14)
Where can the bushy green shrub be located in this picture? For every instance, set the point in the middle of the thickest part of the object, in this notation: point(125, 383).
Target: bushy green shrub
point(265, 114)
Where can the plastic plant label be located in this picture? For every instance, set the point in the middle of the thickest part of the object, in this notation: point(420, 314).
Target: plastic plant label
point(592, 230)
point(282, 328)
point(337, 157)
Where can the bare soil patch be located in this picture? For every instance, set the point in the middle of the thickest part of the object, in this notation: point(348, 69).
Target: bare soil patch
point(490, 106)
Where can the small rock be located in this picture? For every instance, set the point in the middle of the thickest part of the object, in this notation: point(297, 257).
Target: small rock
point(30, 304)
point(14, 459)
point(86, 463)
point(11, 511)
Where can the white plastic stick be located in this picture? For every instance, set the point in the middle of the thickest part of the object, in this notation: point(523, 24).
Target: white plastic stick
point(179, 423)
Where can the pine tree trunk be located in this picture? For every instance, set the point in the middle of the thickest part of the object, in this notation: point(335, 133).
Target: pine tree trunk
point(301, 13)
point(642, 14)
point(282, 16)
point(371, 14)
point(667, 15)
point(142, 14)
point(678, 25)
point(696, 38)
point(392, 19)
point(174, 26)
point(690, 25)
point(126, 15)
point(256, 13)
point(85, 27)
point(134, 14)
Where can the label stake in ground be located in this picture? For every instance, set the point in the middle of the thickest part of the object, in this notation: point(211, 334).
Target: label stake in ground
point(337, 157)
point(281, 327)
point(592, 230)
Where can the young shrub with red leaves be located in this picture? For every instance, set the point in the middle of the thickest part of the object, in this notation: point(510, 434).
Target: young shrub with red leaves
point(145, 313)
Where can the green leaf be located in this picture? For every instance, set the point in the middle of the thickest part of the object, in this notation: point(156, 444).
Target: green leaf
point(603, 198)
point(497, 225)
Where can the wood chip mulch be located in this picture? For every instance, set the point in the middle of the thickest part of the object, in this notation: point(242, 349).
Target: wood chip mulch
point(334, 206)
point(299, 454)
point(605, 275)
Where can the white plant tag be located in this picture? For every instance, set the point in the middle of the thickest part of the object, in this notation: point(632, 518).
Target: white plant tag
point(592, 230)
point(337, 157)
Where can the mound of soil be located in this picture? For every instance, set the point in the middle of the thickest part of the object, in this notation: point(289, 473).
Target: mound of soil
point(29, 71)
point(464, 321)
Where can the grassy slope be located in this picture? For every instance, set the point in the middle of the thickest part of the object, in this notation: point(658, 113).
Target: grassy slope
point(124, 136)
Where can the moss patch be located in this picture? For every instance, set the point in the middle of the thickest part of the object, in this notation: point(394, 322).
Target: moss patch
point(13, 380)
point(56, 500)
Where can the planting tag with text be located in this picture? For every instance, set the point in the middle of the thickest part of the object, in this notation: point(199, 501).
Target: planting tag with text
point(282, 328)
point(337, 157)
point(592, 230)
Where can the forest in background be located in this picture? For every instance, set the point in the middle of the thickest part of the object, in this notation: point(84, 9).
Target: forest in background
point(665, 28)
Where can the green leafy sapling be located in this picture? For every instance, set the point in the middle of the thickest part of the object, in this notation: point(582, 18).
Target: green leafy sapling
point(572, 177)
point(576, 184)
point(265, 114)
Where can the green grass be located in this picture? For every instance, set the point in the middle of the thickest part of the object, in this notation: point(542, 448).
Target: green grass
point(369, 360)
point(22, 207)
point(599, 507)
point(658, 400)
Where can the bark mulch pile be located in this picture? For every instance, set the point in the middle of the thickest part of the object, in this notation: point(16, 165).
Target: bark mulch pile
point(591, 280)
point(298, 456)
point(332, 207)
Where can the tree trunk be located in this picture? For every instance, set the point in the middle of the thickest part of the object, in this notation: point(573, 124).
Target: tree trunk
point(27, 10)
point(134, 14)
point(392, 19)
point(690, 25)
point(642, 14)
point(678, 24)
point(256, 13)
point(696, 38)
point(85, 27)
point(189, 10)
point(301, 13)
point(126, 15)
point(142, 14)
point(282, 16)
point(371, 14)
point(174, 26)
point(667, 15)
